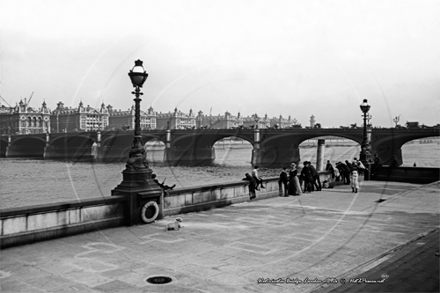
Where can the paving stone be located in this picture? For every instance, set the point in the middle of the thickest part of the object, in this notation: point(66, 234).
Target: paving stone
point(13, 286)
point(117, 287)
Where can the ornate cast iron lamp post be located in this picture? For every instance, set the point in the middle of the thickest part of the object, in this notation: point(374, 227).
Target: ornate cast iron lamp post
point(143, 194)
point(365, 155)
point(138, 76)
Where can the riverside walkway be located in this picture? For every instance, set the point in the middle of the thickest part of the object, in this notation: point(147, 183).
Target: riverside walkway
point(319, 242)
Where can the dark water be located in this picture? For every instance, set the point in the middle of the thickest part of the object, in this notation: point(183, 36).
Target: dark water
point(30, 182)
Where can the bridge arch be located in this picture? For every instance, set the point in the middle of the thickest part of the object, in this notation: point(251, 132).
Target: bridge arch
point(26, 146)
point(335, 149)
point(388, 142)
point(195, 147)
point(281, 147)
point(233, 151)
point(116, 145)
point(78, 146)
point(421, 152)
point(72, 141)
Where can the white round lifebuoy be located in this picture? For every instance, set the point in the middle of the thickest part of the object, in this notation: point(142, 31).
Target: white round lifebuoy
point(150, 211)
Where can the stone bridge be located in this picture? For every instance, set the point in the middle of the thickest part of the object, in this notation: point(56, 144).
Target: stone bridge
point(271, 147)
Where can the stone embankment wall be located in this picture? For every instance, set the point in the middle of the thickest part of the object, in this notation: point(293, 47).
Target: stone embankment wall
point(207, 197)
point(36, 223)
point(25, 225)
point(408, 174)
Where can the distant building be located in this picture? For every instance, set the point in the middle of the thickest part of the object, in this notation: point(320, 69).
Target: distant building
point(412, 124)
point(312, 121)
point(255, 121)
point(81, 118)
point(22, 119)
point(176, 120)
point(126, 119)
point(281, 122)
point(226, 121)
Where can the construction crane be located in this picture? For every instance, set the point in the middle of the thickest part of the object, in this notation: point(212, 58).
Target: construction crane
point(5, 102)
point(30, 98)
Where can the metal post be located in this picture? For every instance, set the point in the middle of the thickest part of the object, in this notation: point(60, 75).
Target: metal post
point(137, 139)
point(320, 155)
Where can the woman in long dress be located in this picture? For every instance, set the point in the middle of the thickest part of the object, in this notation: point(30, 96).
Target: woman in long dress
point(294, 186)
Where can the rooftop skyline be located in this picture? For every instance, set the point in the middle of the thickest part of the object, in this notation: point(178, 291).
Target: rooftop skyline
point(267, 57)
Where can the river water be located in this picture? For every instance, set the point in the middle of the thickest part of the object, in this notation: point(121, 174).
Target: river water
point(27, 182)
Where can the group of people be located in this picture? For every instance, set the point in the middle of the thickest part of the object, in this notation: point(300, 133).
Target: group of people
point(347, 172)
point(292, 184)
point(308, 180)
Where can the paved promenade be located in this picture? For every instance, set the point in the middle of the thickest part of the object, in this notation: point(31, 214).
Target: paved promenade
point(293, 244)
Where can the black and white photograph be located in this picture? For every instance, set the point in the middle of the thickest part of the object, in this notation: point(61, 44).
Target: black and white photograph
point(219, 146)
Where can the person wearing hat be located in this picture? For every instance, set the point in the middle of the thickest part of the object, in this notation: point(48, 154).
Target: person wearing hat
point(294, 185)
point(252, 184)
point(316, 182)
point(306, 176)
point(282, 182)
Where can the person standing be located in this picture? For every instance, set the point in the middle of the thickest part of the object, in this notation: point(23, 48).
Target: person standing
point(282, 182)
point(394, 163)
point(377, 164)
point(329, 167)
point(294, 185)
point(344, 171)
point(350, 166)
point(258, 179)
point(316, 182)
point(359, 165)
point(306, 177)
point(354, 176)
point(252, 184)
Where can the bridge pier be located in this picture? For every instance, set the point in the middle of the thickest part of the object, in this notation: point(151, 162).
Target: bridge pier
point(320, 155)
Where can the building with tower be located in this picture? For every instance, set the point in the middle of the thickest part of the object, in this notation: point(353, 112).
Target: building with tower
point(67, 119)
point(23, 119)
point(126, 119)
point(176, 120)
point(226, 121)
point(312, 121)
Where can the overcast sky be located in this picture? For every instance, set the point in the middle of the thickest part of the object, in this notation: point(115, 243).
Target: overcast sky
point(292, 57)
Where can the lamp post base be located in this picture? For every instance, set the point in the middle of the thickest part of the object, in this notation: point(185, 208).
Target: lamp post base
point(365, 158)
point(139, 189)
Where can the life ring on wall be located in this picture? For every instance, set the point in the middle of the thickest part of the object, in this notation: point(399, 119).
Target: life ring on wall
point(149, 212)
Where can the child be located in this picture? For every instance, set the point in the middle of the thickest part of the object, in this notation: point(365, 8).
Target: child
point(354, 179)
point(162, 185)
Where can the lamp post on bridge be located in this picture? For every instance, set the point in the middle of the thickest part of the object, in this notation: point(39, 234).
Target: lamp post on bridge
point(396, 120)
point(142, 193)
point(369, 117)
point(365, 155)
point(257, 119)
